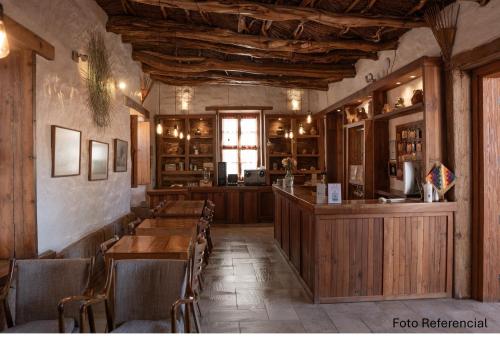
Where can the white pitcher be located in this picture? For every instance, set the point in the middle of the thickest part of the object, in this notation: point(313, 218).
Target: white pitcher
point(428, 192)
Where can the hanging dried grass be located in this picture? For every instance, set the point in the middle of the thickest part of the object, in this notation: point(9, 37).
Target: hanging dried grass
point(443, 22)
point(98, 80)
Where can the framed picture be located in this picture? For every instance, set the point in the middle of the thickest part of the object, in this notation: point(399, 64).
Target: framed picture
point(98, 160)
point(393, 169)
point(121, 155)
point(66, 151)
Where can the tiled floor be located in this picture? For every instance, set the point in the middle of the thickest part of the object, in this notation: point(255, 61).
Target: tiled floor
point(250, 288)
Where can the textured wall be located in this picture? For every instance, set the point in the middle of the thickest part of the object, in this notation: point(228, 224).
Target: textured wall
point(476, 25)
point(70, 207)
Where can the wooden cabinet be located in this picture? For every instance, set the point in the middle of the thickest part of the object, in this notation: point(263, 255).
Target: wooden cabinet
point(234, 205)
point(184, 149)
point(305, 145)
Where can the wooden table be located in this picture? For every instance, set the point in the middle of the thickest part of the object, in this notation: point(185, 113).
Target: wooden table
point(168, 226)
point(151, 247)
point(182, 209)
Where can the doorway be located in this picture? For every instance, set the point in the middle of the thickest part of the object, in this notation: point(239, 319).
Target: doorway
point(486, 182)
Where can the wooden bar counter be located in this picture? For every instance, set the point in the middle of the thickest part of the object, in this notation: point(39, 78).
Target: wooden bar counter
point(365, 250)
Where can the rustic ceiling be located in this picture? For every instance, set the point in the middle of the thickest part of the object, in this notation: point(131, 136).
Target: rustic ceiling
point(291, 44)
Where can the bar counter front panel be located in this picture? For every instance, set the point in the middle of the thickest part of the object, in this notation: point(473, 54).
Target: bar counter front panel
point(365, 250)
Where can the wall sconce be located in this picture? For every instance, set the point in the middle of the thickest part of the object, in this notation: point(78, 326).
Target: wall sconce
point(4, 42)
point(121, 85)
point(294, 98)
point(184, 96)
point(77, 57)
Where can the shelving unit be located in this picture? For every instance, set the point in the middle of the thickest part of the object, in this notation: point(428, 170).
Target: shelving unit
point(380, 126)
point(181, 153)
point(307, 149)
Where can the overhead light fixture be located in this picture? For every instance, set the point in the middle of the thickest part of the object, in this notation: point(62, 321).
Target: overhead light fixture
point(159, 129)
point(413, 76)
point(176, 132)
point(286, 134)
point(181, 135)
point(294, 99)
point(4, 42)
point(188, 137)
point(301, 129)
point(398, 83)
point(290, 135)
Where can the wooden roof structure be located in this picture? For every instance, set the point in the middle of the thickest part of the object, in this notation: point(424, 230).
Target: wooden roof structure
point(293, 44)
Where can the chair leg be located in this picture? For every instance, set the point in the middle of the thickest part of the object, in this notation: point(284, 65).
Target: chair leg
point(196, 321)
point(91, 319)
point(198, 307)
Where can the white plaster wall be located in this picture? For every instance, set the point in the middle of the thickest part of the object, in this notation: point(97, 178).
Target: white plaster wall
point(70, 207)
point(215, 95)
point(476, 26)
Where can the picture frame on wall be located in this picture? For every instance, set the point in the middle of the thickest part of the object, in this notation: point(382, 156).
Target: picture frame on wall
point(98, 160)
point(66, 151)
point(121, 155)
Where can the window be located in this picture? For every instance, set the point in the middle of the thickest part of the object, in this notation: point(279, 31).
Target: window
point(240, 142)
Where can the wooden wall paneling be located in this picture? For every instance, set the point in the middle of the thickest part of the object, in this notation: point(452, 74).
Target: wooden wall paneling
point(143, 153)
point(250, 207)
point(233, 206)
point(335, 142)
point(285, 229)
point(17, 172)
point(278, 218)
point(433, 115)
point(307, 248)
point(369, 159)
point(266, 206)
point(219, 199)
point(295, 244)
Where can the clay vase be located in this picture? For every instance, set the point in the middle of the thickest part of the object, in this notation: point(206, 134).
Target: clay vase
point(418, 96)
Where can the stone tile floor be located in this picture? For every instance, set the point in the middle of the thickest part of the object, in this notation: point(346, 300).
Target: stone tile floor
point(250, 288)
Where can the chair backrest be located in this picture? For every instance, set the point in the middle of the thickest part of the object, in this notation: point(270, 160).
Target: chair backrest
point(41, 284)
point(146, 289)
point(199, 252)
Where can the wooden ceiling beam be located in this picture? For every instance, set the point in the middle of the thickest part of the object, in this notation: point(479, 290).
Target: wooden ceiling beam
point(241, 81)
point(165, 62)
point(328, 58)
point(271, 12)
point(148, 29)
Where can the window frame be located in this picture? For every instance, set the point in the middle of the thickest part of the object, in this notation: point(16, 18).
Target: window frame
point(239, 117)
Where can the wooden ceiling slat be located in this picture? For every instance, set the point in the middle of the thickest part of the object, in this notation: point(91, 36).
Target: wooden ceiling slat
point(134, 29)
point(284, 13)
point(165, 62)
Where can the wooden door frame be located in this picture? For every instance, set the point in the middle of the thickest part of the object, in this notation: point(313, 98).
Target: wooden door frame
point(478, 238)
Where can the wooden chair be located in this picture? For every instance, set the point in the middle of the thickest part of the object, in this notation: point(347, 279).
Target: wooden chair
point(46, 294)
point(133, 225)
point(99, 275)
point(156, 210)
point(145, 296)
point(197, 268)
point(208, 215)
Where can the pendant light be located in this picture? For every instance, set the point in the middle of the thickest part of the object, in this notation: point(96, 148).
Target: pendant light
point(309, 113)
point(286, 134)
point(159, 127)
point(188, 137)
point(176, 131)
point(4, 43)
point(181, 135)
point(290, 135)
point(301, 129)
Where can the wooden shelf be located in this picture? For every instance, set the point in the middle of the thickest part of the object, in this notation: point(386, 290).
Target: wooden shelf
point(172, 156)
point(200, 155)
point(201, 137)
point(182, 172)
point(277, 137)
point(280, 155)
point(307, 155)
point(416, 108)
point(307, 136)
point(355, 124)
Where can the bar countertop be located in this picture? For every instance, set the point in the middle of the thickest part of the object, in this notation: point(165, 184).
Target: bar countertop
point(307, 198)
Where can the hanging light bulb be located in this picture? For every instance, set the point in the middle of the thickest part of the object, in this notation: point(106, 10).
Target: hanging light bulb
point(290, 135)
point(188, 137)
point(309, 118)
point(4, 43)
point(176, 132)
point(301, 129)
point(286, 134)
point(181, 135)
point(159, 129)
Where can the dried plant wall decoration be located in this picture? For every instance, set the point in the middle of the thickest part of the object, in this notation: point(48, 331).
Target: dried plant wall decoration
point(98, 80)
point(443, 22)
